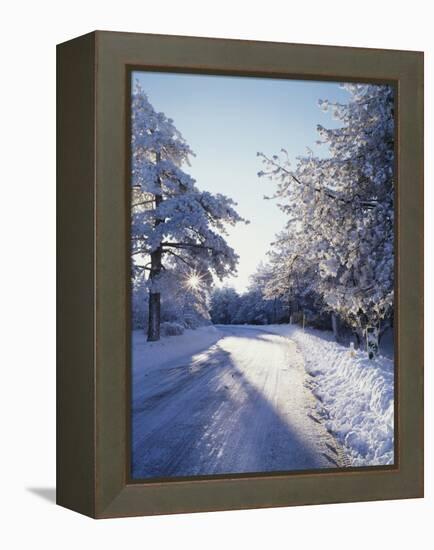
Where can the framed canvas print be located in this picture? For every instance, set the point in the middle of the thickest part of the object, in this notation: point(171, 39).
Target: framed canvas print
point(240, 270)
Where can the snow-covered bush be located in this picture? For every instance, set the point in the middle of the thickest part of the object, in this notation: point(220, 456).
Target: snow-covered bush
point(193, 321)
point(171, 329)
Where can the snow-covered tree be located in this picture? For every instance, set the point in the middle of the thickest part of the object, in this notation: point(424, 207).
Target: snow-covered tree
point(341, 208)
point(185, 300)
point(224, 305)
point(139, 302)
point(251, 307)
point(172, 220)
point(291, 278)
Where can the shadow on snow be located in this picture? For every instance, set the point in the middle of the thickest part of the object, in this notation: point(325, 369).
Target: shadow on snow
point(203, 417)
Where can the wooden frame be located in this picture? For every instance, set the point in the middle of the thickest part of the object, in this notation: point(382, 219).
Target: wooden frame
point(93, 252)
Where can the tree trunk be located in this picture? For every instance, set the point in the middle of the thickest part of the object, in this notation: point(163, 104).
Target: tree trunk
point(360, 338)
point(356, 334)
point(154, 297)
point(335, 327)
point(154, 317)
point(360, 330)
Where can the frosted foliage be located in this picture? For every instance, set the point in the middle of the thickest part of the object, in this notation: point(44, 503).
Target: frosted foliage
point(171, 216)
point(339, 234)
point(252, 306)
point(191, 221)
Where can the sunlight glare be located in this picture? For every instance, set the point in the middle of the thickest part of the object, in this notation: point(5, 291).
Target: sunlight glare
point(193, 281)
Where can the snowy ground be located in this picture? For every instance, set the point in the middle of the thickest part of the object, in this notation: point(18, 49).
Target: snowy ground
point(148, 356)
point(234, 399)
point(355, 395)
point(225, 400)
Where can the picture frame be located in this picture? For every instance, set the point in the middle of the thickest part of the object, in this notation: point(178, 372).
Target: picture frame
point(94, 355)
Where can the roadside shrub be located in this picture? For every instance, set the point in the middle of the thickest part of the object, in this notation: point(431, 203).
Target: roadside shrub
point(170, 328)
point(191, 321)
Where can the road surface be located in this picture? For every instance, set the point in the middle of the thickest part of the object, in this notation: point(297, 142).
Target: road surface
point(241, 406)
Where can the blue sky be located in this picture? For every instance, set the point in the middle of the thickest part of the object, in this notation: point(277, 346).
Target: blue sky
point(226, 120)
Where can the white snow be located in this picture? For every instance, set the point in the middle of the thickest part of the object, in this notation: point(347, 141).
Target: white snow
point(241, 405)
point(356, 395)
point(232, 399)
point(148, 356)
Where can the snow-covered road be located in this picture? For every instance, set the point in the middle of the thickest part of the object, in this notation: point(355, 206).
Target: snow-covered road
point(242, 405)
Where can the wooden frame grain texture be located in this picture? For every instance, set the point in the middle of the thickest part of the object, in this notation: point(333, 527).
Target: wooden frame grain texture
point(93, 283)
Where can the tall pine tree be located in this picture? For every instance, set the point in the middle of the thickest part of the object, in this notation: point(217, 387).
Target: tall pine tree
point(341, 208)
point(172, 220)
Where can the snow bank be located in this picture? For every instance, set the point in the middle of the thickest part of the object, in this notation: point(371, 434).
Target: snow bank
point(355, 395)
point(156, 355)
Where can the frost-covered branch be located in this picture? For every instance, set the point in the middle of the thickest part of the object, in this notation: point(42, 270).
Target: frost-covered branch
point(340, 212)
point(169, 212)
